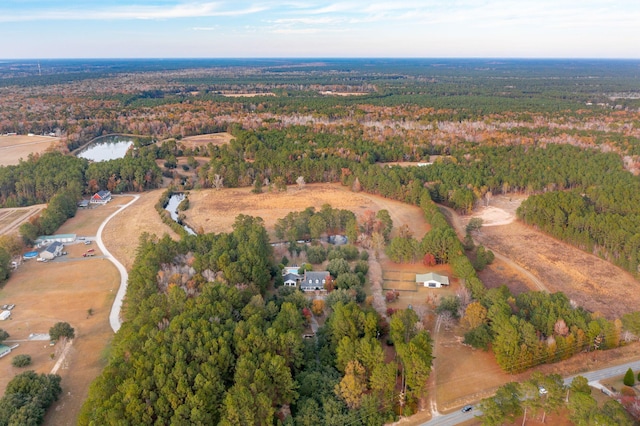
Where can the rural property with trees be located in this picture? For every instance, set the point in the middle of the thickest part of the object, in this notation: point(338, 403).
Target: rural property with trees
point(274, 223)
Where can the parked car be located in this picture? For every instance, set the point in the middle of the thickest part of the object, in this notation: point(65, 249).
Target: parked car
point(91, 250)
point(64, 253)
point(467, 408)
point(10, 307)
point(542, 390)
point(88, 254)
point(86, 243)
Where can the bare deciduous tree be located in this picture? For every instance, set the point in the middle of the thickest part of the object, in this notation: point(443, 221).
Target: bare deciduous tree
point(218, 182)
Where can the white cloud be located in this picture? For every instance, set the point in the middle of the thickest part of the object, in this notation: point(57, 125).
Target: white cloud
point(182, 10)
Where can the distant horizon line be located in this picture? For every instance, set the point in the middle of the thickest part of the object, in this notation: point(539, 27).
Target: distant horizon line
point(501, 58)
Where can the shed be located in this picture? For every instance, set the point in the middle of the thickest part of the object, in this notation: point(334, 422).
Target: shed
point(5, 315)
point(432, 280)
point(53, 250)
point(61, 238)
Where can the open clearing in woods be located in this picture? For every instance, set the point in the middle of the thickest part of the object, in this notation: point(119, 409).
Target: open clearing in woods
point(217, 139)
point(13, 148)
point(591, 282)
point(213, 210)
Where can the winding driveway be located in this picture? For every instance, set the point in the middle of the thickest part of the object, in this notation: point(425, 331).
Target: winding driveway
point(114, 316)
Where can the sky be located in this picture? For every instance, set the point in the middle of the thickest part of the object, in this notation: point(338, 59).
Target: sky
point(318, 28)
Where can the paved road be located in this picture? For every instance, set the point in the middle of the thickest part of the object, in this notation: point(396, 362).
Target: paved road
point(593, 377)
point(114, 316)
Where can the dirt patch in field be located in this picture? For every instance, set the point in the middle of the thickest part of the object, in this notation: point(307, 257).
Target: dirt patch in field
point(122, 233)
point(14, 148)
point(215, 211)
point(61, 290)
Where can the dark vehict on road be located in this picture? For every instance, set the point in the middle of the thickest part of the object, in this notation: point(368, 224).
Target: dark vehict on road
point(467, 408)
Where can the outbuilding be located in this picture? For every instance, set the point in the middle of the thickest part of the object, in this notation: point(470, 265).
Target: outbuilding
point(432, 280)
point(60, 238)
point(5, 315)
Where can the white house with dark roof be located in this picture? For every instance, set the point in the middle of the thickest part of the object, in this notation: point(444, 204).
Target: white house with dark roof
point(314, 280)
point(291, 279)
point(101, 197)
point(53, 250)
point(432, 280)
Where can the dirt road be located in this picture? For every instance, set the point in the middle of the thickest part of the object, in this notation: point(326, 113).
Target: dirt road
point(454, 219)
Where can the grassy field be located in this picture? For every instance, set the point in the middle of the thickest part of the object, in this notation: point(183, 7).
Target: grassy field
point(61, 290)
point(215, 211)
point(122, 233)
point(14, 148)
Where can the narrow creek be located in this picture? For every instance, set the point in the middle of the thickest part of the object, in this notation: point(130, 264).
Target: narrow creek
point(172, 208)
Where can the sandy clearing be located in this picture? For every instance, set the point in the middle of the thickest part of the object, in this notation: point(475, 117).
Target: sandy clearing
point(14, 148)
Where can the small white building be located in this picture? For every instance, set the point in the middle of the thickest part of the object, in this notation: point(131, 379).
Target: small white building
point(5, 315)
point(432, 280)
point(61, 238)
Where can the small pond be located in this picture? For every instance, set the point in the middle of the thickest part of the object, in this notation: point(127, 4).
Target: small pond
point(106, 148)
point(172, 208)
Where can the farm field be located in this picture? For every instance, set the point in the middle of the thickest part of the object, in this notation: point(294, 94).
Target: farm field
point(61, 290)
point(13, 148)
point(215, 210)
point(12, 218)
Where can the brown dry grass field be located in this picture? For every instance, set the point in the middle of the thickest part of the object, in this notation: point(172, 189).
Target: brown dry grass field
point(13, 148)
point(591, 282)
point(222, 138)
point(12, 218)
point(122, 233)
point(63, 290)
point(215, 211)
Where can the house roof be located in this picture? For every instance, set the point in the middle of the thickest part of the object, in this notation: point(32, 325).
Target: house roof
point(291, 277)
point(102, 194)
point(56, 237)
point(310, 278)
point(432, 276)
point(53, 247)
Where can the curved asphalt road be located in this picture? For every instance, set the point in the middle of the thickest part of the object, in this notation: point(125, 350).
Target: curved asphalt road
point(114, 316)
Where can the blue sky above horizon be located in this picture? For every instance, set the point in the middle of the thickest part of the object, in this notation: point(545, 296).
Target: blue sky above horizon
point(295, 28)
